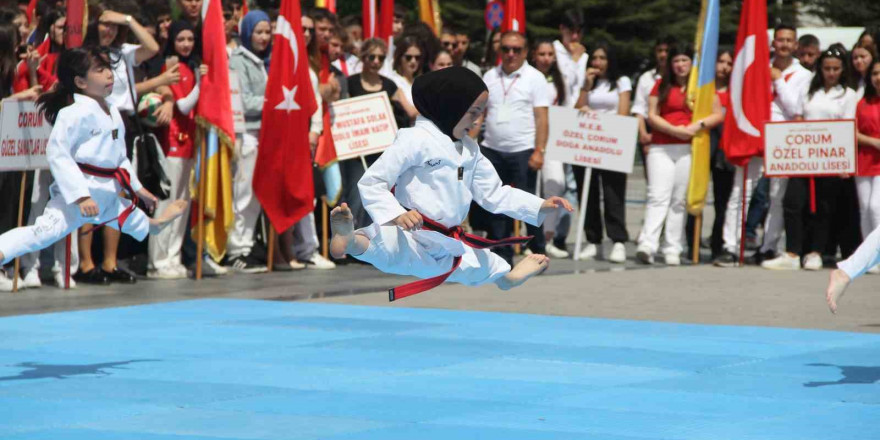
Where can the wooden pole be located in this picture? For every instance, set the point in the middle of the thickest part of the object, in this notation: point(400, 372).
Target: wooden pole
point(270, 260)
point(743, 212)
point(324, 233)
point(21, 192)
point(698, 226)
point(517, 249)
point(67, 245)
point(200, 228)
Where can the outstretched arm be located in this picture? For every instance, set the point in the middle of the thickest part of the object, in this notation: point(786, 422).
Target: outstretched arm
point(503, 199)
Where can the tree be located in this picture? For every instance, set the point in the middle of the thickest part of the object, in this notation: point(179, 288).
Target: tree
point(847, 12)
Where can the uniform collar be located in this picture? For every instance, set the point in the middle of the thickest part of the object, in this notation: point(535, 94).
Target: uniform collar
point(81, 99)
point(426, 124)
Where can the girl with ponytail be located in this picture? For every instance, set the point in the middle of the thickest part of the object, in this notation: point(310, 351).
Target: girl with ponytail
point(86, 153)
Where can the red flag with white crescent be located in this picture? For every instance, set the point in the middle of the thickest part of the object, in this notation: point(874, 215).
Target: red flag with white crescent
point(283, 175)
point(514, 16)
point(750, 92)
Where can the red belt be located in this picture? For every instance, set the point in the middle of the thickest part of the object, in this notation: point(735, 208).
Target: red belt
point(456, 232)
point(124, 178)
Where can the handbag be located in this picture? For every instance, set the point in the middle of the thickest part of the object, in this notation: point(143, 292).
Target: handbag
point(148, 158)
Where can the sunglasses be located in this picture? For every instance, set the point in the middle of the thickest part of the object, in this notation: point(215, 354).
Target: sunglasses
point(380, 58)
point(412, 57)
point(227, 16)
point(834, 53)
point(450, 44)
point(516, 50)
point(308, 29)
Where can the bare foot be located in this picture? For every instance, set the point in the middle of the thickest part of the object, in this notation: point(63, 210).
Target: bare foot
point(837, 284)
point(342, 225)
point(528, 267)
point(174, 210)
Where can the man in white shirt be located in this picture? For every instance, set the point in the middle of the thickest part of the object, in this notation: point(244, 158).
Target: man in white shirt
point(516, 129)
point(790, 80)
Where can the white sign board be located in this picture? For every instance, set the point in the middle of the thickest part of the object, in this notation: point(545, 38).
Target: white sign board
point(24, 134)
point(810, 148)
point(362, 125)
point(596, 140)
point(237, 103)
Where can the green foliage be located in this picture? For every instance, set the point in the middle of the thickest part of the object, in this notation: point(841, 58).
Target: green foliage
point(847, 12)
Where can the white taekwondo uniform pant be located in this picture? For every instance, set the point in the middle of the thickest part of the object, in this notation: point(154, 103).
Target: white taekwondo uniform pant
point(60, 219)
point(864, 258)
point(39, 199)
point(427, 254)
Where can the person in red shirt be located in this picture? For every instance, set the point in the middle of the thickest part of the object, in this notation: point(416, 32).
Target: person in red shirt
point(868, 174)
point(177, 143)
point(38, 68)
point(669, 158)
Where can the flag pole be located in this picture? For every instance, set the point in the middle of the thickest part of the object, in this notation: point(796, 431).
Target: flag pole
point(200, 229)
point(17, 265)
point(364, 162)
point(324, 235)
point(67, 245)
point(270, 260)
point(582, 212)
point(698, 225)
point(742, 209)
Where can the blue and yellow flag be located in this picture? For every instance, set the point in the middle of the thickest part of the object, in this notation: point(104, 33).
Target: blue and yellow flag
point(701, 93)
point(218, 193)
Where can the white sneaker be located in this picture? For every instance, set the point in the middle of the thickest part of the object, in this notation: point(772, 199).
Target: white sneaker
point(180, 270)
point(783, 262)
point(555, 252)
point(527, 252)
point(32, 279)
point(319, 262)
point(874, 270)
point(59, 279)
point(813, 262)
point(5, 282)
point(672, 259)
point(165, 273)
point(618, 253)
point(296, 265)
point(211, 268)
point(589, 252)
point(644, 255)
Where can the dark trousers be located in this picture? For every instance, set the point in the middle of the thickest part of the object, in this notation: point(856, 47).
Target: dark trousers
point(722, 184)
point(758, 207)
point(807, 232)
point(613, 196)
point(845, 225)
point(513, 169)
point(352, 170)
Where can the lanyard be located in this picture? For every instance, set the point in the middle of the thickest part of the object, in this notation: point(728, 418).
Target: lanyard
point(506, 90)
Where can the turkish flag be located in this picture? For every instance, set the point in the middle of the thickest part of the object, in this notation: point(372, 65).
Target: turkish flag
point(215, 102)
point(514, 16)
point(370, 18)
point(750, 93)
point(386, 22)
point(283, 175)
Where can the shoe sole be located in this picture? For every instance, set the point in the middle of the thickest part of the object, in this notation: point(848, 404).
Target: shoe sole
point(643, 257)
point(250, 271)
point(724, 264)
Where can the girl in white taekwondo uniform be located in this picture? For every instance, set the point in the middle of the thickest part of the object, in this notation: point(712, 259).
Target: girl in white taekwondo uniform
point(419, 191)
point(86, 154)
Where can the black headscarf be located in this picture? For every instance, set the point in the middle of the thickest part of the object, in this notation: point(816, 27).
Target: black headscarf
point(176, 28)
point(445, 95)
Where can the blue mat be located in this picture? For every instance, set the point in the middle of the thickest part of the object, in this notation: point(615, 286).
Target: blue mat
point(235, 369)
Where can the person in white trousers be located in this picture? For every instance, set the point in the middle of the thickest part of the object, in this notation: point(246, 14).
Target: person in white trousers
point(868, 176)
point(669, 158)
point(249, 63)
point(790, 80)
point(30, 263)
point(165, 248)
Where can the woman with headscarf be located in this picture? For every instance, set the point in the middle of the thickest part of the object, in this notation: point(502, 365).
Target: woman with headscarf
point(250, 61)
point(177, 143)
point(419, 191)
